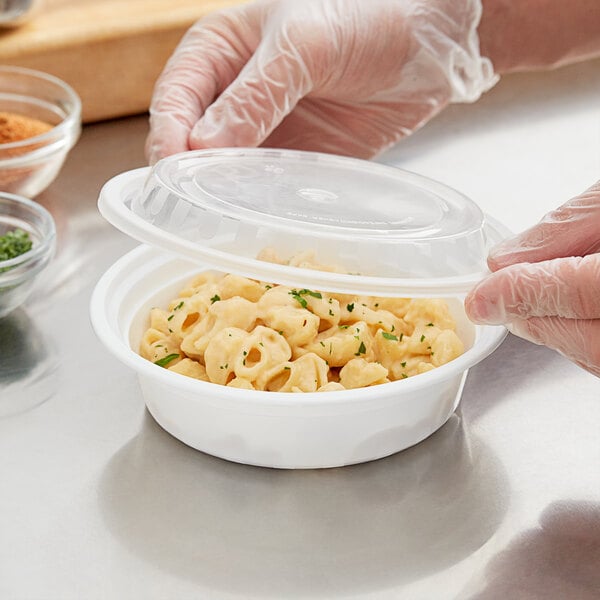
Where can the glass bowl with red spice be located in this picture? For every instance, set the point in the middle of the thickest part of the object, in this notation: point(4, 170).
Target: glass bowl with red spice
point(27, 242)
point(40, 121)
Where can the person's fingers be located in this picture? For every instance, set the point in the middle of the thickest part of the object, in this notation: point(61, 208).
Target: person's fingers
point(577, 339)
point(266, 90)
point(209, 57)
point(563, 287)
point(349, 129)
point(571, 230)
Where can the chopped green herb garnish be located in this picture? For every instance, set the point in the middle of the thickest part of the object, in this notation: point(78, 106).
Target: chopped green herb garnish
point(245, 353)
point(170, 330)
point(224, 366)
point(429, 324)
point(361, 349)
point(330, 313)
point(389, 336)
point(268, 287)
point(403, 364)
point(401, 335)
point(170, 317)
point(404, 375)
point(280, 332)
point(343, 326)
point(296, 296)
point(322, 344)
point(215, 298)
point(287, 368)
point(14, 243)
point(393, 327)
point(376, 304)
point(165, 360)
point(350, 307)
point(330, 300)
point(261, 344)
point(179, 306)
point(422, 337)
point(310, 293)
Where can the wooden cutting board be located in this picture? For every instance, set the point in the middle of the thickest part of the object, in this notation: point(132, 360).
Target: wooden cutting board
point(110, 51)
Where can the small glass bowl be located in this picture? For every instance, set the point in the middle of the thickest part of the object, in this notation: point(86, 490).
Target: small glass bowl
point(17, 274)
point(28, 166)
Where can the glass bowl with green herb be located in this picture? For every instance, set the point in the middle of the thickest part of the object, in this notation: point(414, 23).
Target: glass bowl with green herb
point(27, 241)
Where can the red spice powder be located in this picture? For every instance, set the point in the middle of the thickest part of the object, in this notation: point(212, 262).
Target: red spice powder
point(14, 127)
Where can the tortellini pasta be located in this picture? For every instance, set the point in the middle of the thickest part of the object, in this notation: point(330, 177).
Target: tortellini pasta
point(242, 333)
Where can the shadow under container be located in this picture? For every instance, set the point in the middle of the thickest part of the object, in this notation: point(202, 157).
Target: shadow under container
point(397, 234)
point(28, 166)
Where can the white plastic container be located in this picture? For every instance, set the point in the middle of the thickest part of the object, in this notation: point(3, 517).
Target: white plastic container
point(216, 210)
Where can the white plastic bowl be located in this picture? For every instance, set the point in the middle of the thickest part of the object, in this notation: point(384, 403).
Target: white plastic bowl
point(272, 429)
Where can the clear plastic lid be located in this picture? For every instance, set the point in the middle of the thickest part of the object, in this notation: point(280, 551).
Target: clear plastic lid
point(380, 230)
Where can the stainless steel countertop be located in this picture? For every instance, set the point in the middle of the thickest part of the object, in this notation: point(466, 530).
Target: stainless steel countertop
point(503, 502)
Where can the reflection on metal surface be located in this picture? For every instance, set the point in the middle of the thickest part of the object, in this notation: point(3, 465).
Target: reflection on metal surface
point(558, 559)
point(28, 366)
point(247, 530)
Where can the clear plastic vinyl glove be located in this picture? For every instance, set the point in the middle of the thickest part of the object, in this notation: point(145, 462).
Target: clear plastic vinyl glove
point(546, 282)
point(342, 76)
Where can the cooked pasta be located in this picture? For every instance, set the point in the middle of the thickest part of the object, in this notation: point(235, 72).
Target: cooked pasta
point(242, 333)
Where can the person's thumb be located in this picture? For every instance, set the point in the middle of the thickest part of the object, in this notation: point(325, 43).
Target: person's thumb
point(570, 230)
point(266, 90)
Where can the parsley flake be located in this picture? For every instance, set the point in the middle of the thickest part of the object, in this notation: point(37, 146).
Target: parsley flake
point(296, 296)
point(165, 360)
point(350, 307)
point(362, 349)
point(304, 292)
point(389, 336)
point(215, 298)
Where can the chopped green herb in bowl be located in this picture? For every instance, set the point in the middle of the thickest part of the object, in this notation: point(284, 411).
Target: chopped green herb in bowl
point(27, 241)
point(14, 243)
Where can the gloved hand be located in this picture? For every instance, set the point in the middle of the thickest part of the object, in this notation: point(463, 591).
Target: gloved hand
point(341, 76)
point(546, 284)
